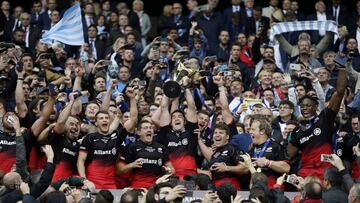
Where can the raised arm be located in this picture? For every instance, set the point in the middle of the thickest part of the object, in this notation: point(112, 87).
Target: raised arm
point(352, 74)
point(191, 114)
point(21, 164)
point(225, 111)
point(40, 123)
point(206, 151)
point(130, 124)
point(79, 72)
point(19, 95)
point(161, 116)
point(106, 102)
point(64, 115)
point(337, 97)
point(324, 43)
point(284, 44)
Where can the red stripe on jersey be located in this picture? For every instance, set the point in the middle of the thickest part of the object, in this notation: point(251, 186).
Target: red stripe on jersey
point(143, 180)
point(183, 165)
point(311, 162)
point(64, 169)
point(103, 176)
point(7, 161)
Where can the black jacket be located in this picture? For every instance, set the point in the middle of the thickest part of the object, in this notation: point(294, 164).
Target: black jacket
point(13, 196)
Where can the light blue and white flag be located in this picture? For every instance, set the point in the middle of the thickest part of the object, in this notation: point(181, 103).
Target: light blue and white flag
point(279, 28)
point(69, 30)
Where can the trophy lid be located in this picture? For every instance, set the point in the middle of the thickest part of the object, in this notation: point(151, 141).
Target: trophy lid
point(172, 89)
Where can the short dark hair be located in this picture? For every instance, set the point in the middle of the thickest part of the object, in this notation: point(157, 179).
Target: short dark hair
point(313, 99)
point(157, 187)
point(287, 102)
point(259, 193)
point(101, 112)
point(203, 112)
point(226, 191)
point(223, 126)
point(313, 190)
point(259, 178)
point(202, 181)
point(333, 176)
point(142, 122)
point(55, 197)
point(93, 26)
point(104, 196)
point(178, 111)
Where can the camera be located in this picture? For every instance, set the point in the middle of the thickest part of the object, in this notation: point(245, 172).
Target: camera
point(292, 179)
point(19, 66)
point(326, 158)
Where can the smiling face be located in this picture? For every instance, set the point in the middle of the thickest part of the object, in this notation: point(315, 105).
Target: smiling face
point(72, 128)
point(146, 132)
point(177, 121)
point(103, 122)
point(308, 108)
point(91, 110)
point(203, 120)
point(220, 137)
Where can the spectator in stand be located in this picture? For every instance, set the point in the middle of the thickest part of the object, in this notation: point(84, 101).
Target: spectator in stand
point(268, 11)
point(210, 23)
point(145, 24)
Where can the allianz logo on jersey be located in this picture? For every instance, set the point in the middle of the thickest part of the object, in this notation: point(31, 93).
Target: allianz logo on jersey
point(105, 152)
point(179, 143)
point(316, 132)
point(152, 161)
point(5, 142)
point(68, 151)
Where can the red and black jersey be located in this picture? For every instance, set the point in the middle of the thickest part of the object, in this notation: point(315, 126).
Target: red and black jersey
point(7, 151)
point(314, 141)
point(66, 151)
point(229, 156)
point(273, 151)
point(181, 147)
point(154, 157)
point(102, 152)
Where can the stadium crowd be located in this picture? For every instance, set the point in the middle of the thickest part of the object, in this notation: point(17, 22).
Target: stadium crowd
point(212, 103)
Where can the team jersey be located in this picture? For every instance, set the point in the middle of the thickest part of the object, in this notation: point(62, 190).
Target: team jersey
point(313, 141)
point(229, 156)
point(181, 147)
point(67, 152)
point(154, 156)
point(102, 152)
point(7, 151)
point(273, 151)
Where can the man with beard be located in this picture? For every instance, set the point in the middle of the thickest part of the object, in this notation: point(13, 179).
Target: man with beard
point(222, 51)
point(63, 138)
point(178, 135)
point(99, 150)
point(146, 158)
point(314, 135)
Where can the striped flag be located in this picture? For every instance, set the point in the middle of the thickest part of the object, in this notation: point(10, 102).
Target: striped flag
point(69, 30)
point(279, 28)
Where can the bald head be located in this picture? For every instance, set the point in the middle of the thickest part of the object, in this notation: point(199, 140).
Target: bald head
point(12, 178)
